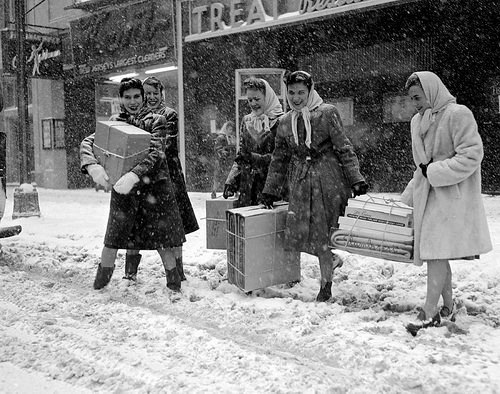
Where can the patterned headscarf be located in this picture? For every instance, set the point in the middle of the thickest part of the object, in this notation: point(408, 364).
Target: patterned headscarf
point(272, 110)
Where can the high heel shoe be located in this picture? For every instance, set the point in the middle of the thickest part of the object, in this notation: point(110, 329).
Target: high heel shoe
point(423, 322)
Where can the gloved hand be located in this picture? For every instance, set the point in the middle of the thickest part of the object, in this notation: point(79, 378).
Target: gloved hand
point(267, 200)
point(125, 184)
point(98, 174)
point(359, 188)
point(423, 167)
point(229, 191)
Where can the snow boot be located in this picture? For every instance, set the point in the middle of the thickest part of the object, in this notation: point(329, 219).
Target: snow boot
point(325, 292)
point(131, 264)
point(180, 268)
point(173, 279)
point(103, 276)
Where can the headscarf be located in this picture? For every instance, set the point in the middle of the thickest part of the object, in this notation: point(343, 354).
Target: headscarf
point(313, 101)
point(272, 109)
point(437, 95)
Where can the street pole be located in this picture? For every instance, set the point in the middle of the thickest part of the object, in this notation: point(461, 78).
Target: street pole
point(26, 195)
point(180, 86)
point(22, 91)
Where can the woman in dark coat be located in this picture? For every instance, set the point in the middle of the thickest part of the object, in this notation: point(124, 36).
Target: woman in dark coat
point(258, 130)
point(323, 170)
point(153, 89)
point(143, 211)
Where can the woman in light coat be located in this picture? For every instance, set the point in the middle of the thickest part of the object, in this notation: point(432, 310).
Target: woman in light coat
point(445, 192)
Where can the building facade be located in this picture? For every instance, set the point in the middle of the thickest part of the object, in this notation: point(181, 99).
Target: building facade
point(360, 54)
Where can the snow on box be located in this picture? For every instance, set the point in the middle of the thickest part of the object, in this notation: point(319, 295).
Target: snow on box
point(256, 257)
point(119, 147)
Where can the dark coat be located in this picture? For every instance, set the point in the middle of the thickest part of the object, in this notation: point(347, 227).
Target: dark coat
point(148, 217)
point(320, 177)
point(249, 171)
point(175, 169)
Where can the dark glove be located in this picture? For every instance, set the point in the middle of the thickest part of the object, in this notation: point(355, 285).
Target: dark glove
point(244, 156)
point(359, 188)
point(423, 167)
point(229, 191)
point(267, 200)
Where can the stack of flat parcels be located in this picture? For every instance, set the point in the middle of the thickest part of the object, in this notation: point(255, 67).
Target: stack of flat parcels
point(375, 227)
point(119, 147)
point(216, 221)
point(256, 257)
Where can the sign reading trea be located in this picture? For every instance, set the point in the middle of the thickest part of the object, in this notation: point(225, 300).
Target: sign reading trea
point(213, 18)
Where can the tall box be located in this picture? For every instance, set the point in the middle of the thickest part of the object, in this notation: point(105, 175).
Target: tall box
point(256, 256)
point(216, 221)
point(119, 147)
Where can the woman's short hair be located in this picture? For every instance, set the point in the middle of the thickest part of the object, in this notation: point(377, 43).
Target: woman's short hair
point(299, 77)
point(413, 80)
point(154, 82)
point(254, 84)
point(130, 83)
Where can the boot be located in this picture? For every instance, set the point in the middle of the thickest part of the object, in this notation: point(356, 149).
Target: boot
point(180, 268)
point(103, 276)
point(131, 264)
point(325, 292)
point(173, 279)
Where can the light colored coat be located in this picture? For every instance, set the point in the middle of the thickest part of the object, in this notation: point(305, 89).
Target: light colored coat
point(449, 216)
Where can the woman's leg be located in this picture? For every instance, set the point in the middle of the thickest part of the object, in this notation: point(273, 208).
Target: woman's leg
point(168, 259)
point(178, 262)
point(447, 292)
point(327, 264)
point(132, 260)
point(105, 268)
point(438, 278)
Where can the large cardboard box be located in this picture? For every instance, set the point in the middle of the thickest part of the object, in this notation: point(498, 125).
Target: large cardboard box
point(119, 147)
point(256, 255)
point(216, 221)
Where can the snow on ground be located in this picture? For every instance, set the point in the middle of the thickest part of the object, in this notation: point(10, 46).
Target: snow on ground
point(58, 335)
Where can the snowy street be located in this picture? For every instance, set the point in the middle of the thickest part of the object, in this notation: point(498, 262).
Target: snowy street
point(61, 336)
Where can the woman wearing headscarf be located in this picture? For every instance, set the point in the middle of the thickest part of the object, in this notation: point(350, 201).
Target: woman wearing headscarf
point(153, 90)
point(324, 172)
point(143, 213)
point(257, 133)
point(445, 191)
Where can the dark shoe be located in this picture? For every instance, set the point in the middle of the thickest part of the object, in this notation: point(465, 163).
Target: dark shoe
point(447, 313)
point(173, 279)
point(131, 264)
point(325, 292)
point(213, 195)
point(103, 276)
point(423, 322)
point(180, 268)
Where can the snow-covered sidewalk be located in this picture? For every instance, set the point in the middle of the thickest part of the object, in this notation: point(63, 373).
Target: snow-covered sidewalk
point(59, 335)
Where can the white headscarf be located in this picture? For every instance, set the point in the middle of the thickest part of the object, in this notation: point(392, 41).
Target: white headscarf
point(272, 109)
point(313, 101)
point(437, 95)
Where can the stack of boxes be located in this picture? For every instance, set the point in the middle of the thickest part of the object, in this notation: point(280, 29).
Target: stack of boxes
point(256, 254)
point(376, 227)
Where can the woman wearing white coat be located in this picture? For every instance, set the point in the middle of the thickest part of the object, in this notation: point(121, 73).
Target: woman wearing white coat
point(445, 192)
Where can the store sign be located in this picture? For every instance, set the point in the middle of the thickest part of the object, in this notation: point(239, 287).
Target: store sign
point(215, 18)
point(140, 33)
point(43, 56)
